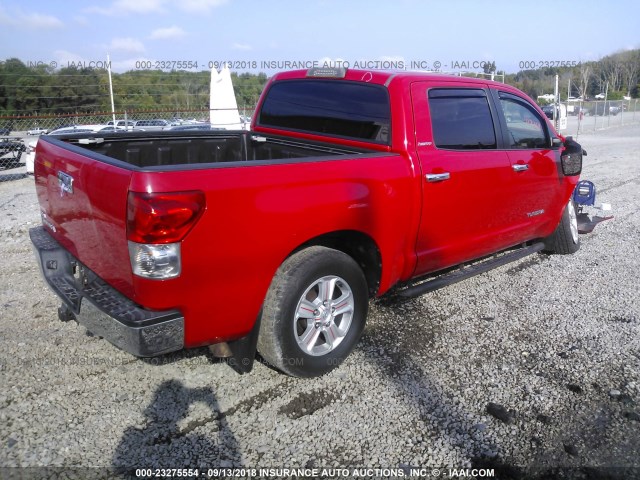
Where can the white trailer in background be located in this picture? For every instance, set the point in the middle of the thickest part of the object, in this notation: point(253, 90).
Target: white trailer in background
point(223, 108)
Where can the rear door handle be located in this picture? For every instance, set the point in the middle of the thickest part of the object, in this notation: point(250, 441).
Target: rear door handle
point(520, 167)
point(437, 177)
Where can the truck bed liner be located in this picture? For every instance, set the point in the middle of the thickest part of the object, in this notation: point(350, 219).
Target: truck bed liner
point(171, 149)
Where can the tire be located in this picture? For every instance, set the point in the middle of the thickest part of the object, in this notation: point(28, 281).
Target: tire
point(565, 239)
point(302, 335)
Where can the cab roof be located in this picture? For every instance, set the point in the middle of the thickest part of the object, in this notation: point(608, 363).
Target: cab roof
point(379, 77)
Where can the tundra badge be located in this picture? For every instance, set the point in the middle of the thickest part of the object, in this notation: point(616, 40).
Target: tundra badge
point(535, 213)
point(66, 183)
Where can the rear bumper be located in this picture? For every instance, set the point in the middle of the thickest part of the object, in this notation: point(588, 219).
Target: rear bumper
point(102, 309)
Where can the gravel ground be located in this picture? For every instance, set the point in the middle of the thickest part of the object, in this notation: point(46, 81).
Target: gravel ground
point(532, 369)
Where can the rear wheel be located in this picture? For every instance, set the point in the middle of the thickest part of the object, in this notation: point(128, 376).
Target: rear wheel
point(565, 240)
point(314, 312)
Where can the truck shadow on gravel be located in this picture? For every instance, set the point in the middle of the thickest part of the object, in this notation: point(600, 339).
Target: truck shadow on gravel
point(169, 438)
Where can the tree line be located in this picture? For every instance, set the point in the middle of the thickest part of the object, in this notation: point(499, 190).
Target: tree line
point(42, 90)
point(617, 75)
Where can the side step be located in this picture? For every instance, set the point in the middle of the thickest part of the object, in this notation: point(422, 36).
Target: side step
point(465, 272)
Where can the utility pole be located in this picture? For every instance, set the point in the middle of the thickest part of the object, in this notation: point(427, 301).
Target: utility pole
point(556, 106)
point(113, 109)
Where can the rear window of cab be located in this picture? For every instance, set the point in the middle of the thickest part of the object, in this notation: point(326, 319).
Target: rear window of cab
point(336, 108)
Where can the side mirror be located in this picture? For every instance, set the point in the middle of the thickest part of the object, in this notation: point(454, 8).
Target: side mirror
point(556, 142)
point(571, 157)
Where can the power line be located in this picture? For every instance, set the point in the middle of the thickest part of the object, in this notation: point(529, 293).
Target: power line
point(66, 97)
point(157, 84)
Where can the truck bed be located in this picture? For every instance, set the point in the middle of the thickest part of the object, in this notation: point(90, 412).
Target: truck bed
point(158, 150)
point(258, 188)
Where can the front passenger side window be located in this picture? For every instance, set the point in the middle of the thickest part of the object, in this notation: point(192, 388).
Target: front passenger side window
point(461, 119)
point(524, 126)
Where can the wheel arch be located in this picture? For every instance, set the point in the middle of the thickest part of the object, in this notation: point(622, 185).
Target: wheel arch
point(359, 246)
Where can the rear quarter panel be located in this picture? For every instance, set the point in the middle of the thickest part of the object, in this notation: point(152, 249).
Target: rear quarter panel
point(257, 215)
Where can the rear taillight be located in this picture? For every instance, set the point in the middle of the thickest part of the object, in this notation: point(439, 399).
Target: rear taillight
point(162, 217)
point(156, 224)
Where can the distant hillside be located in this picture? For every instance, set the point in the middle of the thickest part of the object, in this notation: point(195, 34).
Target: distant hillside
point(26, 90)
point(621, 71)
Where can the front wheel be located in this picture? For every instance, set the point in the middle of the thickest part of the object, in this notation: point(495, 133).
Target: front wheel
point(564, 240)
point(314, 312)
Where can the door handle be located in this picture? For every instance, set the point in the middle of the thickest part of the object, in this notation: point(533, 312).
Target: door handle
point(437, 177)
point(520, 167)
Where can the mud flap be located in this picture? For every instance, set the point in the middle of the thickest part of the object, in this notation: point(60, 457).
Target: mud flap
point(243, 350)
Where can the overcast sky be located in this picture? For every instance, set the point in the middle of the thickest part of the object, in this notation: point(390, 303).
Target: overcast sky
point(458, 34)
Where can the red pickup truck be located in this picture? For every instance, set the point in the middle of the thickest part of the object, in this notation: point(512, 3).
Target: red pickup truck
point(350, 184)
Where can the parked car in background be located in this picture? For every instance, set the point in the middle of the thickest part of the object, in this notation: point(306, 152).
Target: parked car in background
point(193, 126)
point(94, 128)
point(6, 130)
point(549, 111)
point(37, 131)
point(576, 109)
point(555, 111)
point(74, 129)
point(150, 125)
point(112, 129)
point(126, 124)
point(603, 108)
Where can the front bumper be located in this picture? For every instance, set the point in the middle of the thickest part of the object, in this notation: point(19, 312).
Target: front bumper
point(103, 310)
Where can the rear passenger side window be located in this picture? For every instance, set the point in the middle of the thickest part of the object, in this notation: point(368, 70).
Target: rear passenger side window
point(461, 119)
point(524, 127)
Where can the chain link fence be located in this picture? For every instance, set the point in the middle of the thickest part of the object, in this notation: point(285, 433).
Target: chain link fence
point(19, 134)
point(586, 117)
point(608, 114)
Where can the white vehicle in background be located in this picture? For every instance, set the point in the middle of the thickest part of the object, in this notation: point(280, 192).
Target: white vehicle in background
point(30, 155)
point(96, 128)
point(124, 124)
point(75, 129)
point(37, 131)
point(151, 125)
